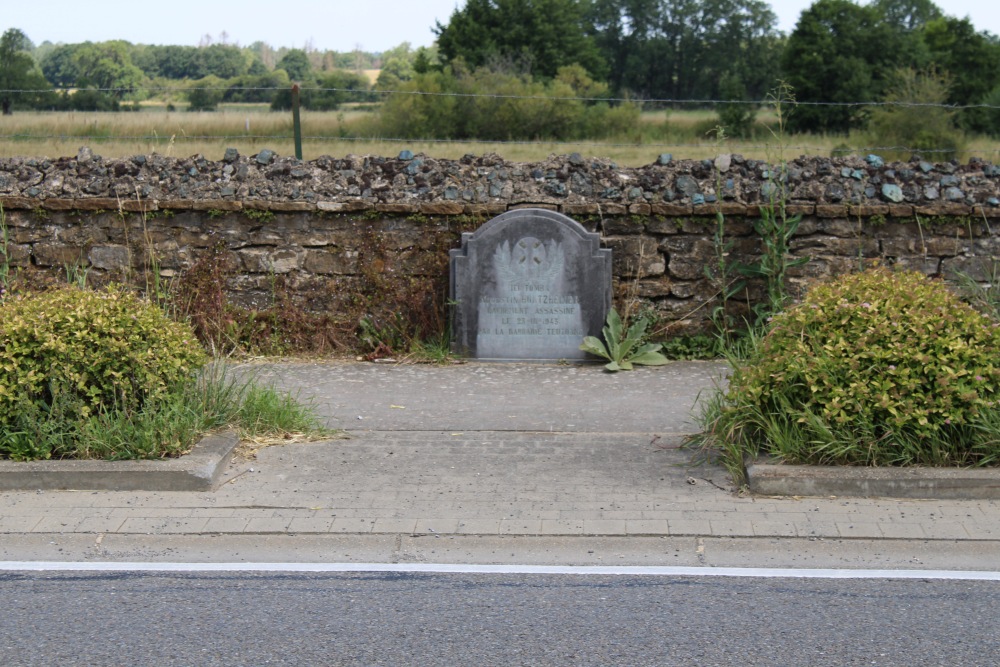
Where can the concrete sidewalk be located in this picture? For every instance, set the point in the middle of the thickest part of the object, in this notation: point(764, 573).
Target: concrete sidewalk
point(491, 450)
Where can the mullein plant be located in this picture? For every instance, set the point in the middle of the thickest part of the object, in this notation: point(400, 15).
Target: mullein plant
point(624, 348)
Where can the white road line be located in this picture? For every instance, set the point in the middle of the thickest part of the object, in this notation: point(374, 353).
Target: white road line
point(442, 568)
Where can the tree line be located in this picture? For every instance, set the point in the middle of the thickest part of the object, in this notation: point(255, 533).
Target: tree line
point(659, 53)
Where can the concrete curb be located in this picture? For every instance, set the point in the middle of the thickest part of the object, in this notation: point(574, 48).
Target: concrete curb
point(199, 470)
point(771, 479)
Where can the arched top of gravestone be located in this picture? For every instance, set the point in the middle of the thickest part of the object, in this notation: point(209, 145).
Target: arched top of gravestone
point(536, 219)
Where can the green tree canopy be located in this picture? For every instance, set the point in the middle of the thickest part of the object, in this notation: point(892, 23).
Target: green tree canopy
point(908, 15)
point(972, 61)
point(536, 36)
point(107, 66)
point(339, 87)
point(59, 65)
point(296, 63)
point(682, 49)
point(205, 94)
point(844, 53)
point(18, 72)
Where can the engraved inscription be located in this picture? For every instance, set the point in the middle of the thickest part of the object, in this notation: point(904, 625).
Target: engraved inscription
point(529, 308)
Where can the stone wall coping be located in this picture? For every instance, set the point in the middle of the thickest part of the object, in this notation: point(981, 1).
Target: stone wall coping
point(488, 185)
point(447, 208)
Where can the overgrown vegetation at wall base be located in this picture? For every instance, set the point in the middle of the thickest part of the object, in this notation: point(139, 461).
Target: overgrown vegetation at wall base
point(877, 368)
point(106, 374)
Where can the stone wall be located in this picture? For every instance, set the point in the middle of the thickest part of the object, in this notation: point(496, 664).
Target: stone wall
point(323, 228)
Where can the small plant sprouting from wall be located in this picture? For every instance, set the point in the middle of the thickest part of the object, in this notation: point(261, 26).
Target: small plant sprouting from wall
point(776, 226)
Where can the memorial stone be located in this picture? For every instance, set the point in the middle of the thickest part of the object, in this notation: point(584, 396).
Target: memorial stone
point(529, 284)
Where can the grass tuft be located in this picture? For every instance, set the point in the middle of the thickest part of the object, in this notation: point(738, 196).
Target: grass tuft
point(167, 427)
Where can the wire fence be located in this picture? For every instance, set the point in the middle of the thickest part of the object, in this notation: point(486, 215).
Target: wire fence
point(169, 136)
point(702, 103)
point(156, 138)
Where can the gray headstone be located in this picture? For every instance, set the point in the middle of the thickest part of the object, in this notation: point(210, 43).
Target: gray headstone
point(529, 284)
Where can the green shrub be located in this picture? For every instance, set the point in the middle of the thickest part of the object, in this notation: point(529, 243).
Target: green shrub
point(100, 350)
point(493, 105)
point(916, 128)
point(876, 368)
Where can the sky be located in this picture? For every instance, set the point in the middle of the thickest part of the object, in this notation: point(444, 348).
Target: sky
point(337, 25)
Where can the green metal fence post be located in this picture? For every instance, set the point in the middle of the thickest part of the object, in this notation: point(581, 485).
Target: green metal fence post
point(296, 121)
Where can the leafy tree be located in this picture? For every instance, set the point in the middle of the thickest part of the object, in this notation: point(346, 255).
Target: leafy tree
point(843, 53)
point(205, 94)
point(18, 72)
point(59, 65)
point(394, 71)
point(972, 59)
point(264, 53)
point(403, 52)
point(107, 66)
point(172, 62)
point(257, 88)
point(736, 116)
point(990, 121)
point(296, 63)
point(224, 61)
point(88, 99)
point(908, 15)
point(256, 66)
point(537, 36)
point(339, 87)
point(422, 61)
point(681, 49)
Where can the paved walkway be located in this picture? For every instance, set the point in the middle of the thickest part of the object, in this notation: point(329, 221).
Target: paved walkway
point(491, 449)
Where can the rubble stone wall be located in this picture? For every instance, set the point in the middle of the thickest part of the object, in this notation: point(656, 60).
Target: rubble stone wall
point(321, 225)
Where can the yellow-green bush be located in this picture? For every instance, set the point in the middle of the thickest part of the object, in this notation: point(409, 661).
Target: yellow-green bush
point(876, 368)
point(98, 350)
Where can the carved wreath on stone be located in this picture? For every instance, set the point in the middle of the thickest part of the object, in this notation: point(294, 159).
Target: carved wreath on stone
point(529, 259)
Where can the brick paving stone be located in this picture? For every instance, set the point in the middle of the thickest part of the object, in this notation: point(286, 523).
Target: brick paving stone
point(732, 527)
point(479, 527)
point(682, 527)
point(267, 525)
point(647, 527)
point(774, 529)
point(581, 515)
point(520, 526)
point(212, 512)
point(818, 528)
point(604, 527)
point(227, 524)
point(352, 525)
point(301, 524)
point(393, 525)
point(57, 524)
point(561, 527)
point(99, 524)
point(899, 530)
point(162, 525)
point(18, 524)
point(435, 526)
point(859, 529)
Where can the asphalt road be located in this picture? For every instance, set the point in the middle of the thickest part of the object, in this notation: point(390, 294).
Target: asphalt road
point(121, 618)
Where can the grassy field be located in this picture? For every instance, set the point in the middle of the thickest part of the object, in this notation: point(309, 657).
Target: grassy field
point(250, 128)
